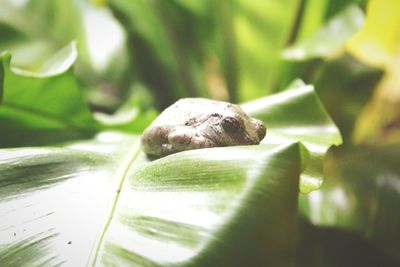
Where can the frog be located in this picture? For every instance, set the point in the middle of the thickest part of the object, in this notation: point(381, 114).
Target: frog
point(195, 123)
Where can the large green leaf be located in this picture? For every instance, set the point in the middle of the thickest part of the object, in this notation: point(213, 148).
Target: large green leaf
point(219, 211)
point(101, 203)
point(54, 200)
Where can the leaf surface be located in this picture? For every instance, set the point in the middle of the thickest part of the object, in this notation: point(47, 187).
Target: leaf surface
point(101, 203)
point(213, 209)
point(54, 201)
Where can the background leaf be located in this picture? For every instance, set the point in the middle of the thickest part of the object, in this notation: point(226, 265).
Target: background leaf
point(37, 108)
point(377, 41)
point(359, 197)
point(330, 38)
point(377, 44)
point(262, 28)
point(35, 30)
point(48, 105)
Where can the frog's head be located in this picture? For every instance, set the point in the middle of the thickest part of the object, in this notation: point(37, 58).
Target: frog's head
point(234, 127)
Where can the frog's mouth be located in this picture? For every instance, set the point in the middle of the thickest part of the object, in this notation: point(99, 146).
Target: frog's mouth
point(244, 139)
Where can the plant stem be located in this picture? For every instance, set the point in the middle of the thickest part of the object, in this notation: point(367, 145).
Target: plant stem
point(230, 64)
point(297, 23)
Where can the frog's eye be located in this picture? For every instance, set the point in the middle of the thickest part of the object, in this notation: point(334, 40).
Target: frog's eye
point(216, 115)
point(230, 124)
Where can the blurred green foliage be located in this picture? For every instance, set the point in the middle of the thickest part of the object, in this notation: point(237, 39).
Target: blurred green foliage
point(150, 53)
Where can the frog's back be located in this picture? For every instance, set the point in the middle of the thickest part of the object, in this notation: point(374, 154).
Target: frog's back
point(188, 108)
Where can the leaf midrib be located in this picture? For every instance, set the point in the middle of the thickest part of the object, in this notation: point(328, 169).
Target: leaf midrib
point(121, 172)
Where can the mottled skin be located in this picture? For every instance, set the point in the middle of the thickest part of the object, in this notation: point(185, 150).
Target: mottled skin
point(193, 123)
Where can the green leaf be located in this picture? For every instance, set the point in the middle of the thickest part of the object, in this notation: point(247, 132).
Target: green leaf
point(330, 38)
point(43, 106)
point(102, 203)
point(133, 116)
point(310, 19)
point(199, 8)
point(360, 194)
point(46, 106)
point(298, 115)
point(37, 29)
point(34, 30)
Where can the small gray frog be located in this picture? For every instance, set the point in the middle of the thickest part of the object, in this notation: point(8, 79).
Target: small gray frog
point(193, 123)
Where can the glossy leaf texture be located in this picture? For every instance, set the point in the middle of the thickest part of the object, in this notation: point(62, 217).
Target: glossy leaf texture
point(55, 201)
point(218, 207)
point(297, 114)
point(102, 198)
